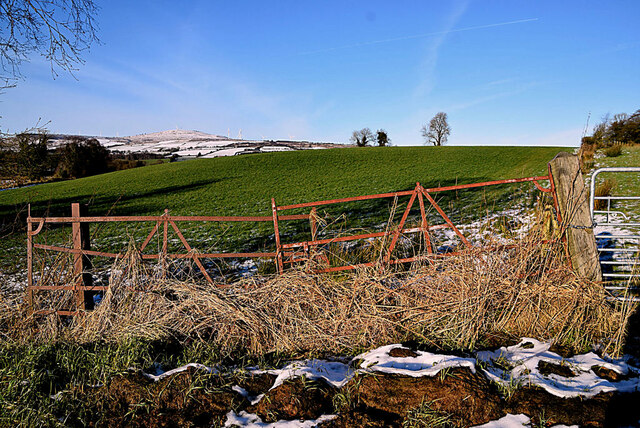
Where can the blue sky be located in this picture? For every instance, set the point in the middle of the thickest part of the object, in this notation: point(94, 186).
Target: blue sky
point(506, 72)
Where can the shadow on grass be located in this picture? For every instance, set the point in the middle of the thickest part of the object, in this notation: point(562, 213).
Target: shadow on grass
point(146, 203)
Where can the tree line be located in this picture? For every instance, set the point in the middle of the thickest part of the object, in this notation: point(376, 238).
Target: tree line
point(28, 158)
point(610, 134)
point(437, 133)
point(623, 128)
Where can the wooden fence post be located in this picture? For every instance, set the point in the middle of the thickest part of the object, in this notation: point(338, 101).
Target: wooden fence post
point(81, 262)
point(575, 220)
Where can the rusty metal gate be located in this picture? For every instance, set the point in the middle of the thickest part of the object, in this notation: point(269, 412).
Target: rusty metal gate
point(284, 254)
point(616, 221)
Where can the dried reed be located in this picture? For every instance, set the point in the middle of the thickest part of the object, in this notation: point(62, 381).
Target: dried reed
point(449, 302)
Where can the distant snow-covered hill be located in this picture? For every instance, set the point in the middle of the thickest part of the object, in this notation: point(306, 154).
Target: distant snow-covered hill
point(190, 144)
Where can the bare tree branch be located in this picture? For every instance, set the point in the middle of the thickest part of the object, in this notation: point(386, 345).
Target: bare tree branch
point(58, 30)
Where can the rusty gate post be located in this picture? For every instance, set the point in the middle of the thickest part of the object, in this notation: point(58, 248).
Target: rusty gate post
point(573, 211)
point(29, 260)
point(81, 262)
point(314, 223)
point(424, 225)
point(165, 242)
point(279, 263)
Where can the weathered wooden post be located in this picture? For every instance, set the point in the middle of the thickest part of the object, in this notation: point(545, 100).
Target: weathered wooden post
point(81, 262)
point(574, 216)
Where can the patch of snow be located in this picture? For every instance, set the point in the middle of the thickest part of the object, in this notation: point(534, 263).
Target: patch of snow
point(246, 268)
point(276, 149)
point(226, 152)
point(524, 361)
point(521, 363)
point(424, 364)
point(333, 372)
point(338, 374)
point(181, 134)
point(250, 420)
point(161, 375)
point(515, 421)
point(508, 421)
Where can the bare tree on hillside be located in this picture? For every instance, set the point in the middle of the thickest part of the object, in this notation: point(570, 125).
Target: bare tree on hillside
point(438, 131)
point(58, 30)
point(362, 138)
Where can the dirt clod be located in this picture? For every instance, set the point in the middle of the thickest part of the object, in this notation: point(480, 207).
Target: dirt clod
point(565, 351)
point(608, 374)
point(402, 353)
point(296, 399)
point(468, 397)
point(547, 368)
point(603, 410)
point(257, 384)
point(364, 417)
point(185, 399)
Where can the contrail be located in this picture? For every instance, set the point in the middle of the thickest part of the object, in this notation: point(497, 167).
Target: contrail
point(417, 36)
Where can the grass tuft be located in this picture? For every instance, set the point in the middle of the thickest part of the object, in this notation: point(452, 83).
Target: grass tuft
point(613, 151)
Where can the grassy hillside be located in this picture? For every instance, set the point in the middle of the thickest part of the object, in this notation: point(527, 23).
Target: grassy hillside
point(244, 185)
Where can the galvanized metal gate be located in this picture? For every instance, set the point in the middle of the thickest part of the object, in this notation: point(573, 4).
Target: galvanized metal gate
point(616, 222)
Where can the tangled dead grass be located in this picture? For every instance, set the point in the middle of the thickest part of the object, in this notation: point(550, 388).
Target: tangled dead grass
point(453, 302)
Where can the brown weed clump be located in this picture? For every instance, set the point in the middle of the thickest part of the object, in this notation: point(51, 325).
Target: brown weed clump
point(453, 302)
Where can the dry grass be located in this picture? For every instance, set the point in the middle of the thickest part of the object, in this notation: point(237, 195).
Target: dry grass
point(449, 302)
point(613, 151)
point(603, 189)
point(586, 154)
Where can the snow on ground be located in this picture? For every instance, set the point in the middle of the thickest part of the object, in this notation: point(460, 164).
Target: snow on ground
point(511, 366)
point(508, 421)
point(244, 419)
point(226, 152)
point(334, 373)
point(276, 149)
point(483, 230)
point(424, 364)
point(160, 374)
point(518, 365)
point(174, 134)
point(515, 421)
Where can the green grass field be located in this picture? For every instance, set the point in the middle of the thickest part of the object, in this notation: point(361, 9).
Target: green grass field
point(244, 185)
point(627, 184)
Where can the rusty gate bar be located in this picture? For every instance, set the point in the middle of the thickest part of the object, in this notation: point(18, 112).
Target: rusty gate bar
point(396, 233)
point(162, 218)
point(446, 218)
point(418, 190)
point(409, 192)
